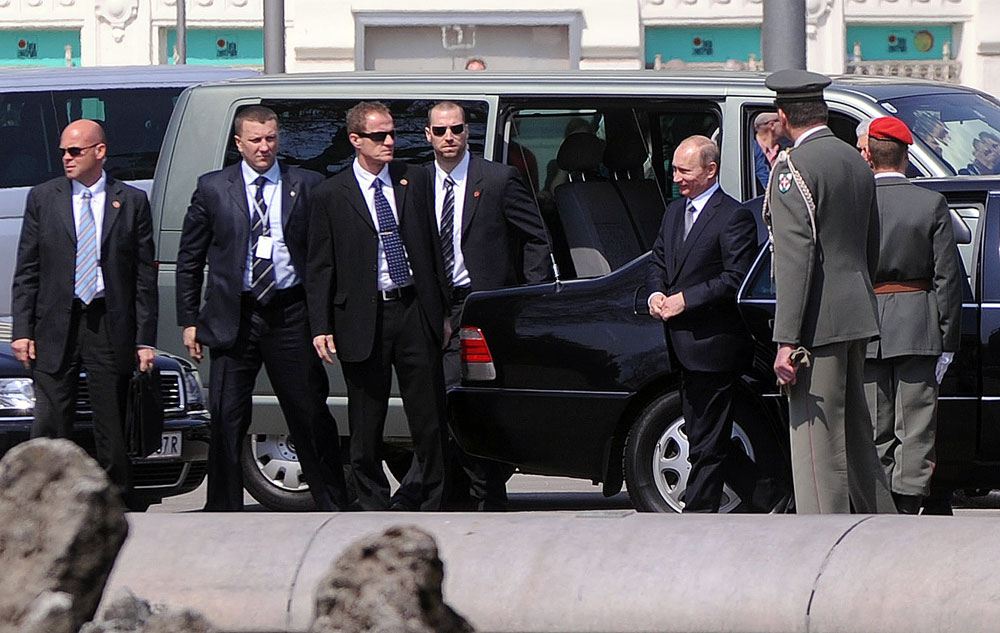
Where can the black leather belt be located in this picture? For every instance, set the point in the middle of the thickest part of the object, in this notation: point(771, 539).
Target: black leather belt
point(400, 292)
point(459, 293)
point(279, 298)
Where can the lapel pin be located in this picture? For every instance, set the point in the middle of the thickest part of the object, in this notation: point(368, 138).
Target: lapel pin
point(292, 193)
point(475, 194)
point(404, 182)
point(116, 204)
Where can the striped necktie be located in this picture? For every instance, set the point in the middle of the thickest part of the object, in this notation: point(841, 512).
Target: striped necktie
point(448, 228)
point(85, 285)
point(388, 232)
point(262, 275)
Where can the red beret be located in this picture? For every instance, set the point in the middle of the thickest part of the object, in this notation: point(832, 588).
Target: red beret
point(889, 128)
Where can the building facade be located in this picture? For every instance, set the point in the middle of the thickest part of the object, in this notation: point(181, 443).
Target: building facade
point(943, 39)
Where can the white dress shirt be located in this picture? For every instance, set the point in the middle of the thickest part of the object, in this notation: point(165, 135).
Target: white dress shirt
point(808, 133)
point(97, 199)
point(460, 175)
point(365, 181)
point(284, 272)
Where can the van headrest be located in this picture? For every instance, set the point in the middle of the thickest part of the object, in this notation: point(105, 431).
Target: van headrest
point(580, 151)
point(626, 153)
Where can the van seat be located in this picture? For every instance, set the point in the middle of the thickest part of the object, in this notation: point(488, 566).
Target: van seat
point(594, 219)
point(642, 197)
point(23, 165)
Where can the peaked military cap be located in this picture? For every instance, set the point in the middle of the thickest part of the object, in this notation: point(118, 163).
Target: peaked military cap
point(797, 85)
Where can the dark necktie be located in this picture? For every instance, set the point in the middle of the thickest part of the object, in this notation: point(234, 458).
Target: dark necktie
point(86, 252)
point(262, 275)
point(448, 228)
point(688, 218)
point(388, 232)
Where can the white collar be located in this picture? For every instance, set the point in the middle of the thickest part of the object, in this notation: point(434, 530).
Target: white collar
point(808, 133)
point(95, 189)
point(272, 174)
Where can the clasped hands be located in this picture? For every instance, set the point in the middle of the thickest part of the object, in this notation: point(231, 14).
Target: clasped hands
point(663, 307)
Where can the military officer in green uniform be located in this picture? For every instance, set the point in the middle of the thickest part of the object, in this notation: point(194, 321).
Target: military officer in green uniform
point(918, 285)
point(824, 224)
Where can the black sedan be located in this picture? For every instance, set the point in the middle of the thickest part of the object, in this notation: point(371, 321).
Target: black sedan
point(573, 378)
point(178, 466)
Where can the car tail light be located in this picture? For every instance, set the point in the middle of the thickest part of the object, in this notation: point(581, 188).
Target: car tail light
point(477, 362)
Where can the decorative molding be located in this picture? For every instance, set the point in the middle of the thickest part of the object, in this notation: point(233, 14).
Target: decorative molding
point(117, 14)
point(4, 3)
point(205, 3)
point(238, 3)
point(67, 3)
point(34, 3)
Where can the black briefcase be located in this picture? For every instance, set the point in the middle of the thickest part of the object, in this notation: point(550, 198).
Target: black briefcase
point(144, 414)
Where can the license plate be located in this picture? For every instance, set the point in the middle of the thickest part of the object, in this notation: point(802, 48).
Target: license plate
point(170, 445)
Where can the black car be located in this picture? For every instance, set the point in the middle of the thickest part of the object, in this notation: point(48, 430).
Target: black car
point(573, 378)
point(179, 465)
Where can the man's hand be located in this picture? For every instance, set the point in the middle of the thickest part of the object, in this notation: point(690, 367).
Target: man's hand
point(192, 344)
point(24, 351)
point(783, 367)
point(325, 349)
point(146, 355)
point(656, 302)
point(447, 332)
point(672, 306)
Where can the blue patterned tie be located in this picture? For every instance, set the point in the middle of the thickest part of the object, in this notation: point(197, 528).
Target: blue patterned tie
point(85, 285)
point(262, 274)
point(388, 231)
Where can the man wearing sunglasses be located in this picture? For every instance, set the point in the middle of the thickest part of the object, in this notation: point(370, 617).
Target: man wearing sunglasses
point(84, 295)
point(491, 236)
point(378, 300)
point(249, 221)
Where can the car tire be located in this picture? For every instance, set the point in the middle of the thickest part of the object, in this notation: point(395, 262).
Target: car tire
point(656, 452)
point(272, 473)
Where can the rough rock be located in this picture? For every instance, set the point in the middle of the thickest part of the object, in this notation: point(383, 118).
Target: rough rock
point(387, 583)
point(61, 526)
point(130, 614)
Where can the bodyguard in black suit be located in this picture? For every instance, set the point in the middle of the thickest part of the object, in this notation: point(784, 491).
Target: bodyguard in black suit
point(84, 294)
point(377, 299)
point(701, 255)
point(249, 221)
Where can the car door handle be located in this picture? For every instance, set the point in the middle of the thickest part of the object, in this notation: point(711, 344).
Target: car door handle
point(639, 306)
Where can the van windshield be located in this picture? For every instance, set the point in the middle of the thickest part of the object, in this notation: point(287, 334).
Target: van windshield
point(962, 129)
point(30, 123)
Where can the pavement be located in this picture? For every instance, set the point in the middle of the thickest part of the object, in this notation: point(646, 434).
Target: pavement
point(539, 493)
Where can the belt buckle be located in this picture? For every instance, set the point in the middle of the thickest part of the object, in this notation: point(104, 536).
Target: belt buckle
point(390, 295)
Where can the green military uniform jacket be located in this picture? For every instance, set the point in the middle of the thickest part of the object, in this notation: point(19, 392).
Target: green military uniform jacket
point(917, 243)
point(822, 272)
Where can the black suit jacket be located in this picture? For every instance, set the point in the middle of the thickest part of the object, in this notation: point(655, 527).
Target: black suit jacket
point(503, 238)
point(708, 268)
point(342, 284)
point(46, 263)
point(217, 230)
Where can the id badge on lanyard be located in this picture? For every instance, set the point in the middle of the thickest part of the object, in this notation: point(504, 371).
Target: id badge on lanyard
point(265, 243)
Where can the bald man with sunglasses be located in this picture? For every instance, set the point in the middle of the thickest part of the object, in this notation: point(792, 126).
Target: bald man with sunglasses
point(84, 295)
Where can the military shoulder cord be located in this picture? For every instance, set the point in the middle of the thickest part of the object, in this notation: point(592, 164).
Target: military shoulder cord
point(785, 156)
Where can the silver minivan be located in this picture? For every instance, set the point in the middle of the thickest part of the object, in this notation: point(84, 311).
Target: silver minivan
point(635, 120)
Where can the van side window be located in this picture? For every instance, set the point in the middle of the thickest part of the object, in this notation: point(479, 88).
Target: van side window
point(600, 173)
point(28, 139)
point(314, 132)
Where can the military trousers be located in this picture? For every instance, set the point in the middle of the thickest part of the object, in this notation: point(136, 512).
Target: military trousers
point(834, 463)
point(902, 396)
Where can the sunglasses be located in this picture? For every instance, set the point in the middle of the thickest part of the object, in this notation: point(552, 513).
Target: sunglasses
point(378, 137)
point(440, 130)
point(76, 151)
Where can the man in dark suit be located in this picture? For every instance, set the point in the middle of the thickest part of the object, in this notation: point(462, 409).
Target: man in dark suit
point(84, 295)
point(824, 219)
point(491, 236)
point(702, 253)
point(249, 221)
point(918, 286)
point(378, 300)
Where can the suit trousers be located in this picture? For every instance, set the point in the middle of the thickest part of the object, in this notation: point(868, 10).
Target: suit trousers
point(834, 463)
point(902, 394)
point(707, 406)
point(89, 347)
point(405, 342)
point(277, 336)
